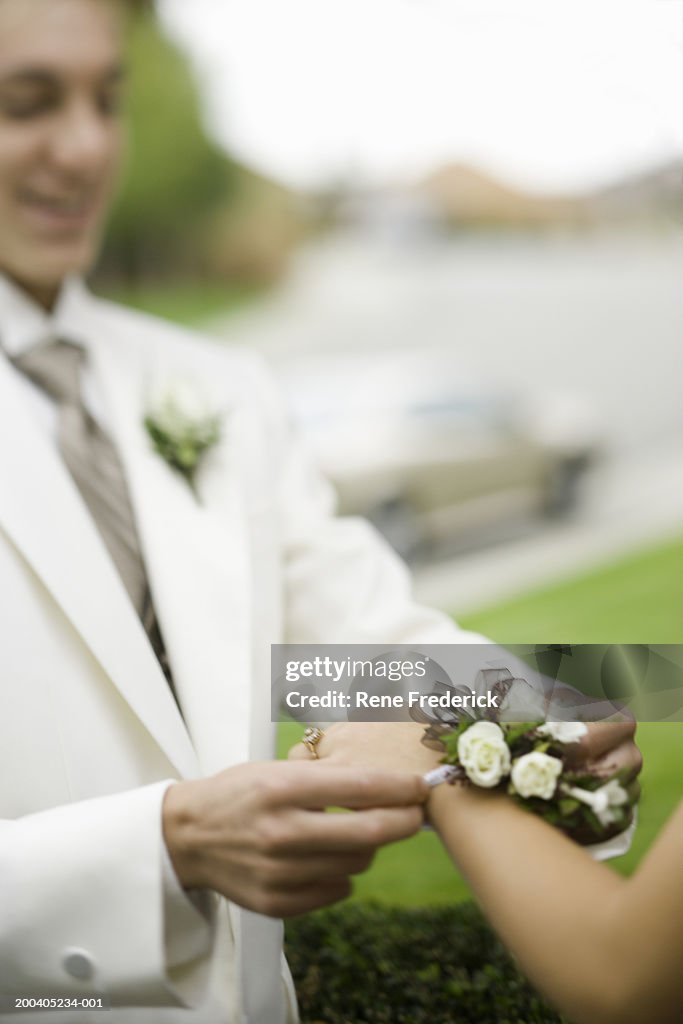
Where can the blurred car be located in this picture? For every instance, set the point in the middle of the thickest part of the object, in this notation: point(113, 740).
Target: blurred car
point(429, 452)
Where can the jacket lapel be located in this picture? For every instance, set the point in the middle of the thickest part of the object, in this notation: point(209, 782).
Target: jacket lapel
point(196, 552)
point(43, 514)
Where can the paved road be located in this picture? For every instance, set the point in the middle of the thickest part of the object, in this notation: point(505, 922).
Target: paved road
point(601, 318)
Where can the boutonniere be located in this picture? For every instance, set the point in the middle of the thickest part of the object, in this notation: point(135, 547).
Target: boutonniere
point(183, 427)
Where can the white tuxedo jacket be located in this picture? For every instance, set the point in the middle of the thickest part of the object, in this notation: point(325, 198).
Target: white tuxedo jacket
point(90, 735)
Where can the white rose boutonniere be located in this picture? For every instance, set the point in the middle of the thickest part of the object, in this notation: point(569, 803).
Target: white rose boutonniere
point(182, 426)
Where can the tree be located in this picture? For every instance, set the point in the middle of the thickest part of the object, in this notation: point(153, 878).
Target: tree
point(175, 175)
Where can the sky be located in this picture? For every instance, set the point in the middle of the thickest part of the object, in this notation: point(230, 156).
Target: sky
point(551, 95)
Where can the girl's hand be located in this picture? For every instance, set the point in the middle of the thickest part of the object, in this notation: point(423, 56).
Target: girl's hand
point(391, 746)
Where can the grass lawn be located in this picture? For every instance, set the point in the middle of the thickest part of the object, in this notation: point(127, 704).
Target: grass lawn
point(638, 600)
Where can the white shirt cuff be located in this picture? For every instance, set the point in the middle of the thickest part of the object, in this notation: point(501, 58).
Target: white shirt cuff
point(618, 845)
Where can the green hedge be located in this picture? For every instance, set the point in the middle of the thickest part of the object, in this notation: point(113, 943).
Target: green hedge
point(363, 963)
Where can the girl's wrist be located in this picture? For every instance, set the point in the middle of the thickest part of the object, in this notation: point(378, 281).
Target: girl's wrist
point(448, 800)
point(443, 800)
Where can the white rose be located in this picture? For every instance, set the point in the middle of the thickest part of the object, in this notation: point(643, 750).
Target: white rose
point(484, 754)
point(178, 402)
point(563, 732)
point(191, 401)
point(536, 774)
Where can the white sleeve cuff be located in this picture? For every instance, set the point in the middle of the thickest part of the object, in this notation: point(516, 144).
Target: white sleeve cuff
point(618, 845)
point(84, 908)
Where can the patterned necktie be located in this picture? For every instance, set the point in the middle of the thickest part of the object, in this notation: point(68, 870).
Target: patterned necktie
point(95, 466)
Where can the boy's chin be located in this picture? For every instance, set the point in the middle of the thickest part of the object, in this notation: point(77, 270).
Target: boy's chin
point(49, 275)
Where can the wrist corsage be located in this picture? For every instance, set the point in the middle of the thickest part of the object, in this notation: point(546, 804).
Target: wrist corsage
point(529, 761)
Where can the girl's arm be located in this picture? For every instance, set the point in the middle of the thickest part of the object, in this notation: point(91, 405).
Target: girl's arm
point(604, 949)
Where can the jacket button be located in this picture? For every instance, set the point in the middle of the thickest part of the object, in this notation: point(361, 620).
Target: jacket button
point(78, 964)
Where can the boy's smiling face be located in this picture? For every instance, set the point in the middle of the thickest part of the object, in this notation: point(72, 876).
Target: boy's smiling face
point(61, 136)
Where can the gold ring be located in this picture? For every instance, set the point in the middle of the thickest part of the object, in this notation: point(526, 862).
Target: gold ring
point(311, 738)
